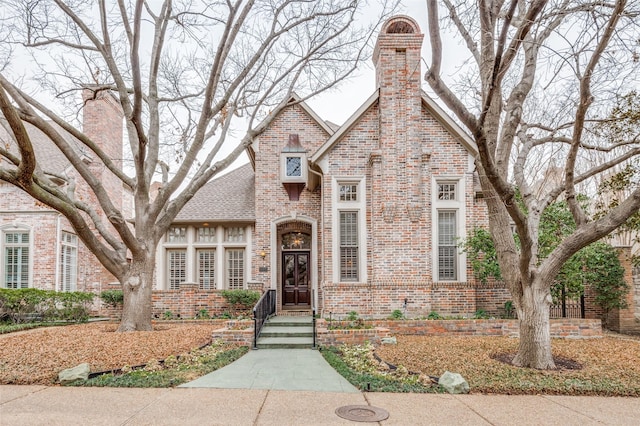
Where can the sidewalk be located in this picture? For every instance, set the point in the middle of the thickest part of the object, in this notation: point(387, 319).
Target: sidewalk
point(277, 369)
point(41, 405)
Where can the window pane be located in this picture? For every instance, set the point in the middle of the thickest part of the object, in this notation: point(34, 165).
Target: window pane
point(349, 192)
point(235, 268)
point(206, 269)
point(447, 255)
point(206, 235)
point(349, 246)
point(16, 260)
point(234, 234)
point(297, 241)
point(177, 265)
point(446, 191)
point(68, 262)
point(177, 234)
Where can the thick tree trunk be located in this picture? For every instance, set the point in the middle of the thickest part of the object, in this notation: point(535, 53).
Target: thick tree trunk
point(534, 350)
point(137, 287)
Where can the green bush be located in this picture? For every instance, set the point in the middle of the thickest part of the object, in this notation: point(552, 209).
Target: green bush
point(480, 314)
point(113, 298)
point(352, 316)
point(241, 299)
point(203, 314)
point(396, 315)
point(31, 304)
point(433, 315)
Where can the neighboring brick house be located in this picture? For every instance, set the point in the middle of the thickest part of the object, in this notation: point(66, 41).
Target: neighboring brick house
point(365, 217)
point(39, 247)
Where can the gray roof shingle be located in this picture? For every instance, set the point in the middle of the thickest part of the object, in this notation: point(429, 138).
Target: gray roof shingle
point(229, 198)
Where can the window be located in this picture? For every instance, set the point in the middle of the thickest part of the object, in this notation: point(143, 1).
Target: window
point(16, 259)
point(234, 234)
point(447, 191)
point(294, 166)
point(176, 267)
point(349, 246)
point(349, 192)
point(235, 268)
point(447, 226)
point(68, 262)
point(206, 269)
point(177, 234)
point(206, 235)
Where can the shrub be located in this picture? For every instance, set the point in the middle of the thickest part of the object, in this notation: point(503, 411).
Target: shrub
point(203, 314)
point(396, 315)
point(433, 315)
point(31, 304)
point(241, 300)
point(352, 316)
point(480, 314)
point(112, 298)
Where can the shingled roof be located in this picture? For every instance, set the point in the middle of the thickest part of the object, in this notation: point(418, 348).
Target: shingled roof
point(49, 157)
point(229, 198)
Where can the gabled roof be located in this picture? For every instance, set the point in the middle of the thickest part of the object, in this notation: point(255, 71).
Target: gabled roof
point(293, 99)
point(229, 198)
point(431, 106)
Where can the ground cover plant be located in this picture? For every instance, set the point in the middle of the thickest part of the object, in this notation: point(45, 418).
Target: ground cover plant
point(173, 370)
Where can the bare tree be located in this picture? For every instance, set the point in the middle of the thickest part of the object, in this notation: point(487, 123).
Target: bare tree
point(570, 56)
point(186, 73)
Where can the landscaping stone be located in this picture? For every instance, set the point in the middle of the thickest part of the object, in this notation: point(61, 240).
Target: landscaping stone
point(389, 341)
point(453, 383)
point(79, 372)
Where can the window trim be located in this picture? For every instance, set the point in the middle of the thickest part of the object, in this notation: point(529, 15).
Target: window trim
point(284, 177)
point(74, 273)
point(359, 206)
point(459, 206)
point(9, 229)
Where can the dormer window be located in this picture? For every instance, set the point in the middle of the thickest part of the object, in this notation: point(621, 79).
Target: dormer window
point(293, 167)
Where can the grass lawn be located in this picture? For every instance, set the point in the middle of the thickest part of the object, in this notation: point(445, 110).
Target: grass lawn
point(608, 366)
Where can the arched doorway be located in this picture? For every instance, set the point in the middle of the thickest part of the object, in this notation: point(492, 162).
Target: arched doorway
point(295, 242)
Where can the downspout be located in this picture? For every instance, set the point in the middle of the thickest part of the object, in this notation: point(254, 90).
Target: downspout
point(315, 295)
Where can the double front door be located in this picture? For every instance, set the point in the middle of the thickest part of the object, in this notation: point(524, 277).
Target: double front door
point(296, 279)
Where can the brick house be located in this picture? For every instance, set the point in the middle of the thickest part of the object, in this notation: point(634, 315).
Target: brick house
point(362, 217)
point(39, 247)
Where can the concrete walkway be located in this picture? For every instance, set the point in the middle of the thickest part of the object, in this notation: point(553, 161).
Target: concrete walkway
point(279, 369)
point(41, 405)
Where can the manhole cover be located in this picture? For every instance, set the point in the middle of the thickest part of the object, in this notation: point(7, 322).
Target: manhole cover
point(362, 413)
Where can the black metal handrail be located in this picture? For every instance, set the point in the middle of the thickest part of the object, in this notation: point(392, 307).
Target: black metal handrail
point(313, 315)
point(265, 307)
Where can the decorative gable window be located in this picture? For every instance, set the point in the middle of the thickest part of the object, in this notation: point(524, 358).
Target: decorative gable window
point(293, 167)
point(349, 192)
point(16, 258)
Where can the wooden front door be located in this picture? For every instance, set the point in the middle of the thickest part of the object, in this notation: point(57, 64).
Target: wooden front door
point(296, 279)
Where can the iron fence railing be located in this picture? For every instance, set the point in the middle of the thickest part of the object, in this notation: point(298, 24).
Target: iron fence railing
point(265, 307)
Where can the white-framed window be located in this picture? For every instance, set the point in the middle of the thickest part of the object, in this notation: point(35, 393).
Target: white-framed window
point(177, 234)
point(206, 268)
point(176, 267)
point(293, 167)
point(68, 261)
point(448, 226)
point(16, 258)
point(349, 246)
point(349, 229)
point(206, 234)
point(212, 256)
point(235, 268)
point(447, 249)
point(348, 192)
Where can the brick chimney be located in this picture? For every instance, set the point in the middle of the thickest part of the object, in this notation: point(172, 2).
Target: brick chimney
point(102, 122)
point(397, 61)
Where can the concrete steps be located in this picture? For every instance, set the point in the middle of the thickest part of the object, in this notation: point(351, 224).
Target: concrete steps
point(286, 333)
